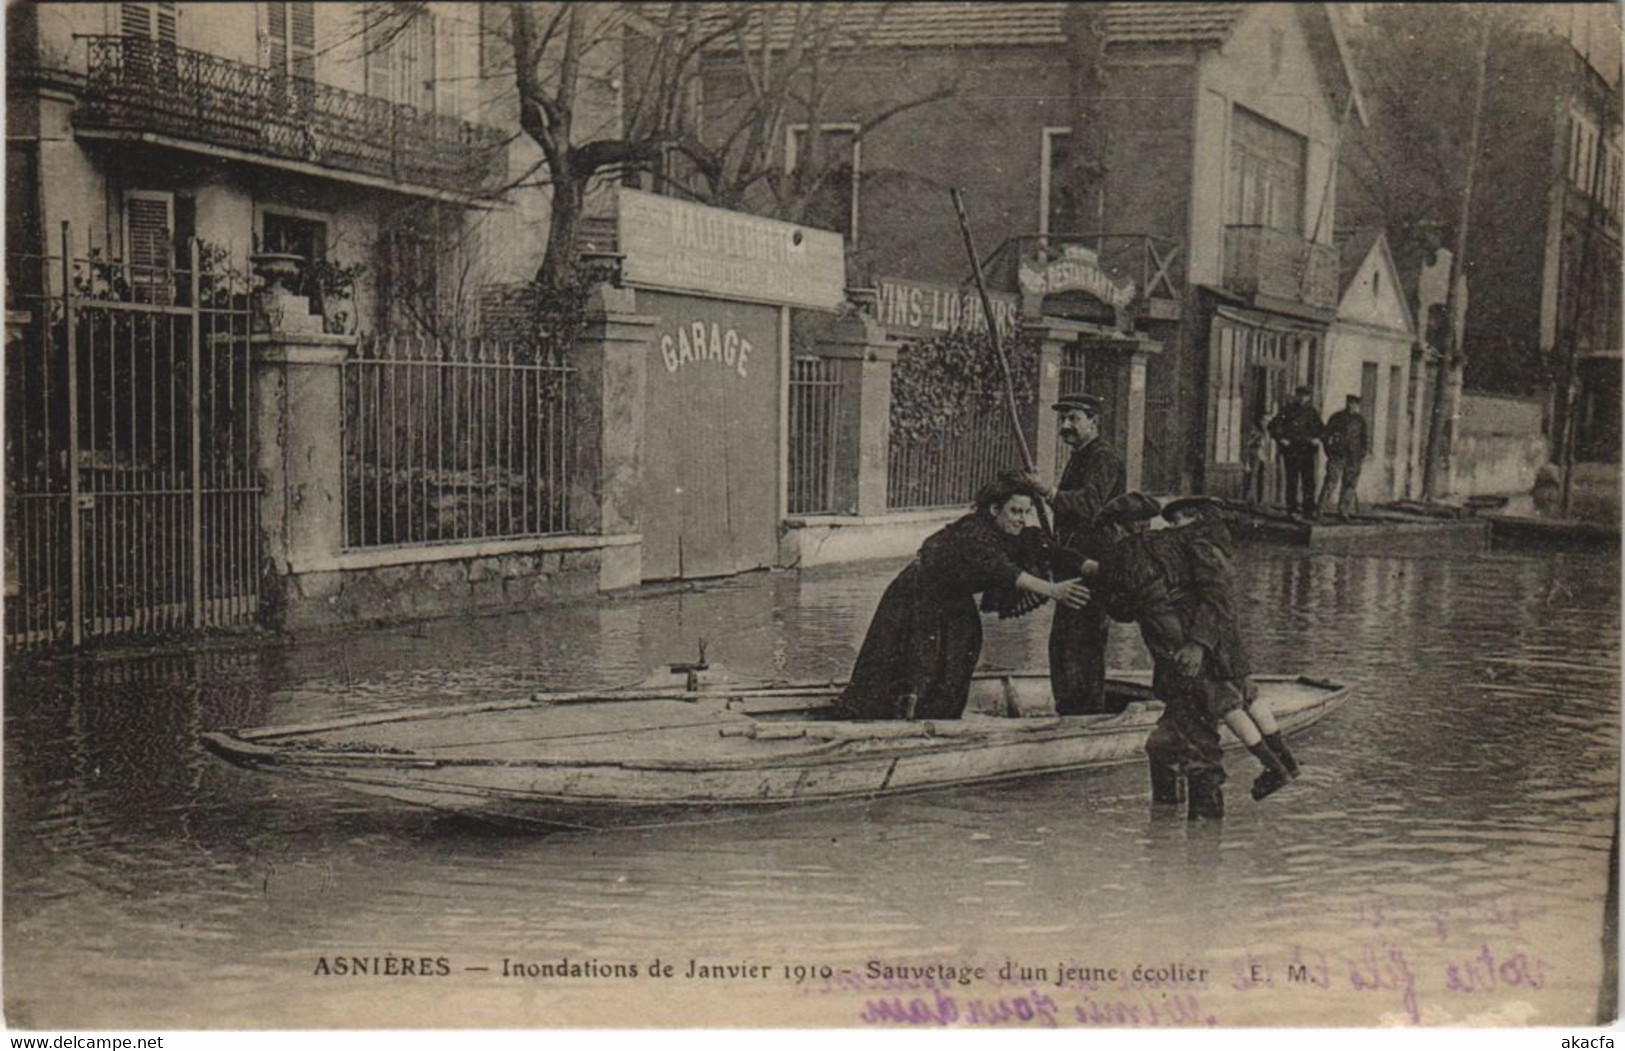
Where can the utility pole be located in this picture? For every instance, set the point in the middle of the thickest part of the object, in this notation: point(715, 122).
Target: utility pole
point(1447, 395)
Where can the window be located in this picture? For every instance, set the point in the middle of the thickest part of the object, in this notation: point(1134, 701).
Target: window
point(296, 235)
point(1266, 174)
point(495, 47)
point(1068, 203)
point(149, 33)
point(1391, 434)
point(418, 266)
point(290, 51)
point(1052, 157)
point(149, 245)
point(451, 94)
point(1583, 145)
point(290, 32)
point(400, 55)
point(826, 171)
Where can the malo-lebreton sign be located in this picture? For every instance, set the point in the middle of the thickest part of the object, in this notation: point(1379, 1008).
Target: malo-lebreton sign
point(678, 246)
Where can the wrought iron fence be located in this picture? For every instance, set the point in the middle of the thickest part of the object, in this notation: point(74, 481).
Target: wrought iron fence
point(454, 441)
point(131, 499)
point(135, 85)
point(814, 435)
point(946, 469)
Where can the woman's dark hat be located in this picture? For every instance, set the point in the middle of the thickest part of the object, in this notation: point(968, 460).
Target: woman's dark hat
point(1190, 503)
point(1127, 508)
point(1090, 403)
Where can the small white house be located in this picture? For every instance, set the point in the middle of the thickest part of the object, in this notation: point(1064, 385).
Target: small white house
point(1369, 353)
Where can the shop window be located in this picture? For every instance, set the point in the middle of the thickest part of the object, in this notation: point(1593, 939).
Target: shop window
point(1266, 174)
point(827, 175)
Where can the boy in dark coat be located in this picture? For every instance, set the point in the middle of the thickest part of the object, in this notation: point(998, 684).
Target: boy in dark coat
point(1196, 551)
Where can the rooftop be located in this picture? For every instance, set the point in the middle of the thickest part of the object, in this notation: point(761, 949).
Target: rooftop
point(929, 24)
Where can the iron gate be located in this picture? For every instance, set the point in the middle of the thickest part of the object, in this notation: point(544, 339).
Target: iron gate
point(131, 495)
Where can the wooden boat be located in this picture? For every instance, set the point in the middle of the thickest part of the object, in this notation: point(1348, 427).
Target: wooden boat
point(688, 750)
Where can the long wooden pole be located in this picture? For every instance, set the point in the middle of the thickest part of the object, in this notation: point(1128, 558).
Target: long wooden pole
point(993, 332)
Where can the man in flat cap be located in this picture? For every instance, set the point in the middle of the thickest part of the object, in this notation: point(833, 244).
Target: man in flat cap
point(1094, 475)
point(1296, 429)
point(1347, 443)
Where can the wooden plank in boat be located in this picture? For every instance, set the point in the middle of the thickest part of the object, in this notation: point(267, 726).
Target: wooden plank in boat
point(536, 729)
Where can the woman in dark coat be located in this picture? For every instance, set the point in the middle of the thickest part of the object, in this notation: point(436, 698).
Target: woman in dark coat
point(926, 636)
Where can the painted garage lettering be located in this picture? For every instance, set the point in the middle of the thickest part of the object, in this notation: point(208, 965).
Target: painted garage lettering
point(701, 342)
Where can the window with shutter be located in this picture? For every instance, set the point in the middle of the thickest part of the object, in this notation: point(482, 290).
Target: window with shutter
point(290, 31)
point(450, 43)
point(149, 253)
point(496, 48)
point(149, 33)
point(400, 56)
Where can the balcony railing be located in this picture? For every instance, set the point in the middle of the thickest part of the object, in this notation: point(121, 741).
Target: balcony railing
point(1262, 261)
point(137, 85)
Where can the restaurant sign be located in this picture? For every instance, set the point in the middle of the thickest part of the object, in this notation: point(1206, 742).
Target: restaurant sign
point(678, 246)
point(918, 308)
point(1072, 268)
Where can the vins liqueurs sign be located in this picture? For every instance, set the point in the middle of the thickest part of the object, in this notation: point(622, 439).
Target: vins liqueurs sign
point(701, 343)
point(1076, 269)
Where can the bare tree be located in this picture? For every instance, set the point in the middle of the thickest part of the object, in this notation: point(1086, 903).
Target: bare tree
point(707, 93)
point(702, 97)
point(761, 70)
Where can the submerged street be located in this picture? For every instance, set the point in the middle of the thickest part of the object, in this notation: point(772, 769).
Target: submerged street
point(1442, 860)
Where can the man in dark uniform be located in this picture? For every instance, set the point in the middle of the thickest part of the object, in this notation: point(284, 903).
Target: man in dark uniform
point(1347, 445)
point(1094, 475)
point(1296, 429)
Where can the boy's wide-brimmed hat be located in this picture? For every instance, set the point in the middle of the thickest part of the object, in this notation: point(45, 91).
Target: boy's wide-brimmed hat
point(1090, 403)
point(1129, 507)
point(1190, 503)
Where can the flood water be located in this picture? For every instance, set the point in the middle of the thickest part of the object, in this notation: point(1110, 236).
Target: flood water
point(1442, 860)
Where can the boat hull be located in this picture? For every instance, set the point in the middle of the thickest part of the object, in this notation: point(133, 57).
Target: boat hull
point(704, 757)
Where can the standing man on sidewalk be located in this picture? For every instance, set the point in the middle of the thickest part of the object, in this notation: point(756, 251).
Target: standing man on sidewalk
point(1296, 429)
point(1094, 474)
point(1347, 445)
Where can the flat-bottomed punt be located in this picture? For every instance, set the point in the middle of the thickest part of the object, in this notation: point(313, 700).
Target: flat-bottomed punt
point(673, 753)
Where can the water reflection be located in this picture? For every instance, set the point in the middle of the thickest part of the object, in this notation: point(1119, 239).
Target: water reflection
point(1463, 799)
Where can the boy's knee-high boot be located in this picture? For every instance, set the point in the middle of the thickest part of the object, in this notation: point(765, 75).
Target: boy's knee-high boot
point(1272, 762)
point(1278, 745)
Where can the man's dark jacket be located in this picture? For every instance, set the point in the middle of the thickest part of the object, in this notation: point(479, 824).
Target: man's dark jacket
point(1296, 424)
point(1094, 475)
point(1346, 438)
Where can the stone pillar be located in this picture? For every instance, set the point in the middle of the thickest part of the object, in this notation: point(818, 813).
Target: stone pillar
point(298, 409)
point(864, 356)
point(1052, 340)
point(1133, 411)
point(607, 410)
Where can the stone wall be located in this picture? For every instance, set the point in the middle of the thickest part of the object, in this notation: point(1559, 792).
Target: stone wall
point(1500, 446)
